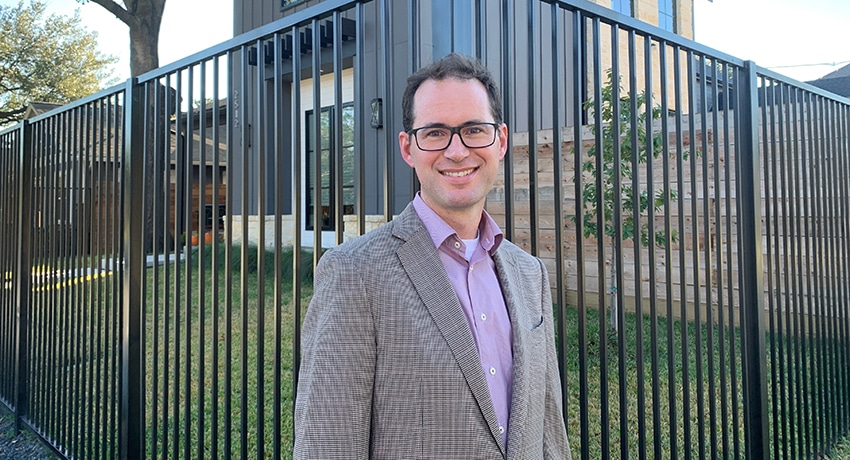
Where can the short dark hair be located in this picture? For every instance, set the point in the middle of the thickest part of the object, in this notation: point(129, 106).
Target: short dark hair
point(452, 66)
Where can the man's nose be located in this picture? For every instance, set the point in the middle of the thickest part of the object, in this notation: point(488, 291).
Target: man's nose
point(456, 150)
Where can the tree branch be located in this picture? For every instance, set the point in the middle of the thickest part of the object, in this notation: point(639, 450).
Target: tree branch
point(119, 12)
point(11, 116)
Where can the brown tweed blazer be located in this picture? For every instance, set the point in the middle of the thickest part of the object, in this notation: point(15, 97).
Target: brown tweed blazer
point(389, 368)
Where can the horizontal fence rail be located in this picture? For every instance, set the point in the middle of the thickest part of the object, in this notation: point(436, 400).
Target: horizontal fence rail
point(691, 208)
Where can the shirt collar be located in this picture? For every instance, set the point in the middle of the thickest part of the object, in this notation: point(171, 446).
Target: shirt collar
point(488, 230)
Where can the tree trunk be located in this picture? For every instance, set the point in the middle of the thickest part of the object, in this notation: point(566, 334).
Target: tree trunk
point(143, 18)
point(144, 34)
point(144, 57)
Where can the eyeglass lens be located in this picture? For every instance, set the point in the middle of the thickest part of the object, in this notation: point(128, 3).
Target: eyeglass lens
point(472, 136)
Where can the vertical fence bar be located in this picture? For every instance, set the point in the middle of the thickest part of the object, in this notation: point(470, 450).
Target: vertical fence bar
point(296, 208)
point(259, 142)
point(578, 39)
point(617, 310)
point(652, 153)
point(752, 292)
point(216, 258)
point(244, 263)
point(819, 331)
point(668, 249)
point(794, 288)
point(636, 147)
point(809, 281)
point(557, 167)
point(360, 124)
point(683, 293)
point(184, 138)
point(277, 145)
point(386, 88)
point(233, 114)
point(600, 224)
point(202, 230)
point(337, 187)
point(706, 233)
point(695, 253)
point(158, 228)
point(75, 227)
point(132, 410)
point(316, 139)
point(719, 256)
point(508, 87)
point(842, 151)
point(58, 259)
point(184, 238)
point(769, 153)
point(23, 269)
point(832, 266)
point(533, 61)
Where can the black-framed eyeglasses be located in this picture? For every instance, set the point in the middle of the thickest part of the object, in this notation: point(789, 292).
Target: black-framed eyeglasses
point(472, 135)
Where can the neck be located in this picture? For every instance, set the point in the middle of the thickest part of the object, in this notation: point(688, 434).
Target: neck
point(465, 223)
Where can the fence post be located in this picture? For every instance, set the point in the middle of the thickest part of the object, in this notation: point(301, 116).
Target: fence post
point(131, 440)
point(24, 280)
point(752, 279)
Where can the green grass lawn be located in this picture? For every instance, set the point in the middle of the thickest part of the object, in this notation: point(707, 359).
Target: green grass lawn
point(240, 367)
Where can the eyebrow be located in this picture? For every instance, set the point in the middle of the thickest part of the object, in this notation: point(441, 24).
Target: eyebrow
point(443, 125)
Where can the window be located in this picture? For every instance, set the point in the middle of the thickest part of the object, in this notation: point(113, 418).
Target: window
point(325, 158)
point(666, 15)
point(622, 6)
point(288, 3)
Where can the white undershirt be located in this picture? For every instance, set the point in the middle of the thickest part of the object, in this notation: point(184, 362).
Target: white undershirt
point(470, 247)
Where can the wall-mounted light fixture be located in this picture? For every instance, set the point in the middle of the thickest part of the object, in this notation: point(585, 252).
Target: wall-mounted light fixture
point(377, 113)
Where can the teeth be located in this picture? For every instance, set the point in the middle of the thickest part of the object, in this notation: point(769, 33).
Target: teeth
point(459, 173)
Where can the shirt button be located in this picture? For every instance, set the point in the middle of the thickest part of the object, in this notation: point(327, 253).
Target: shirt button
point(457, 244)
point(501, 429)
point(483, 317)
point(492, 371)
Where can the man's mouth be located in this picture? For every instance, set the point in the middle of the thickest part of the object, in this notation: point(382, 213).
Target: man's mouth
point(463, 173)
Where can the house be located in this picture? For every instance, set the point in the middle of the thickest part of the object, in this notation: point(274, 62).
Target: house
point(85, 182)
point(837, 82)
point(206, 166)
point(38, 108)
point(97, 152)
point(439, 27)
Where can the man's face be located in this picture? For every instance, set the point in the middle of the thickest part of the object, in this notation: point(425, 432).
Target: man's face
point(456, 180)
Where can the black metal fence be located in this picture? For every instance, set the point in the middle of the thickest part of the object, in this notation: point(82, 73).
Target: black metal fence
point(692, 209)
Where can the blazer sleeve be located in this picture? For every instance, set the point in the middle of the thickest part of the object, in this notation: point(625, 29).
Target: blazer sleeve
point(555, 443)
point(333, 403)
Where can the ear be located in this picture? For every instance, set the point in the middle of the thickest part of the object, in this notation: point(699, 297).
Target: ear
point(503, 140)
point(404, 146)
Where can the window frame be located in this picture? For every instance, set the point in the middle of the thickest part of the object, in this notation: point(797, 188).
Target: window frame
point(328, 219)
point(665, 17)
point(619, 5)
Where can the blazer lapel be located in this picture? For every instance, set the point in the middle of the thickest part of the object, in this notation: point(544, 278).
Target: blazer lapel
point(513, 290)
point(419, 258)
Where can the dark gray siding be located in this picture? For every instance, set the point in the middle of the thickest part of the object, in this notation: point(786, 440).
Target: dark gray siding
point(439, 27)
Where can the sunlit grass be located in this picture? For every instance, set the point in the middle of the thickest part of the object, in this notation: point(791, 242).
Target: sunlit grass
point(203, 417)
point(230, 354)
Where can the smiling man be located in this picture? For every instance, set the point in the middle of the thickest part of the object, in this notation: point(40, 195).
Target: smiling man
point(432, 336)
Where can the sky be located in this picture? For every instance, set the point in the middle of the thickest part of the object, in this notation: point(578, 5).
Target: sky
point(188, 26)
point(803, 39)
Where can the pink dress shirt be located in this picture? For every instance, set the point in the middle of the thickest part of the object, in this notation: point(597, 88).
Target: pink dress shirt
point(477, 287)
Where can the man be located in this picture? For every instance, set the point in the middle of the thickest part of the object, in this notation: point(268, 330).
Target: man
point(432, 337)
